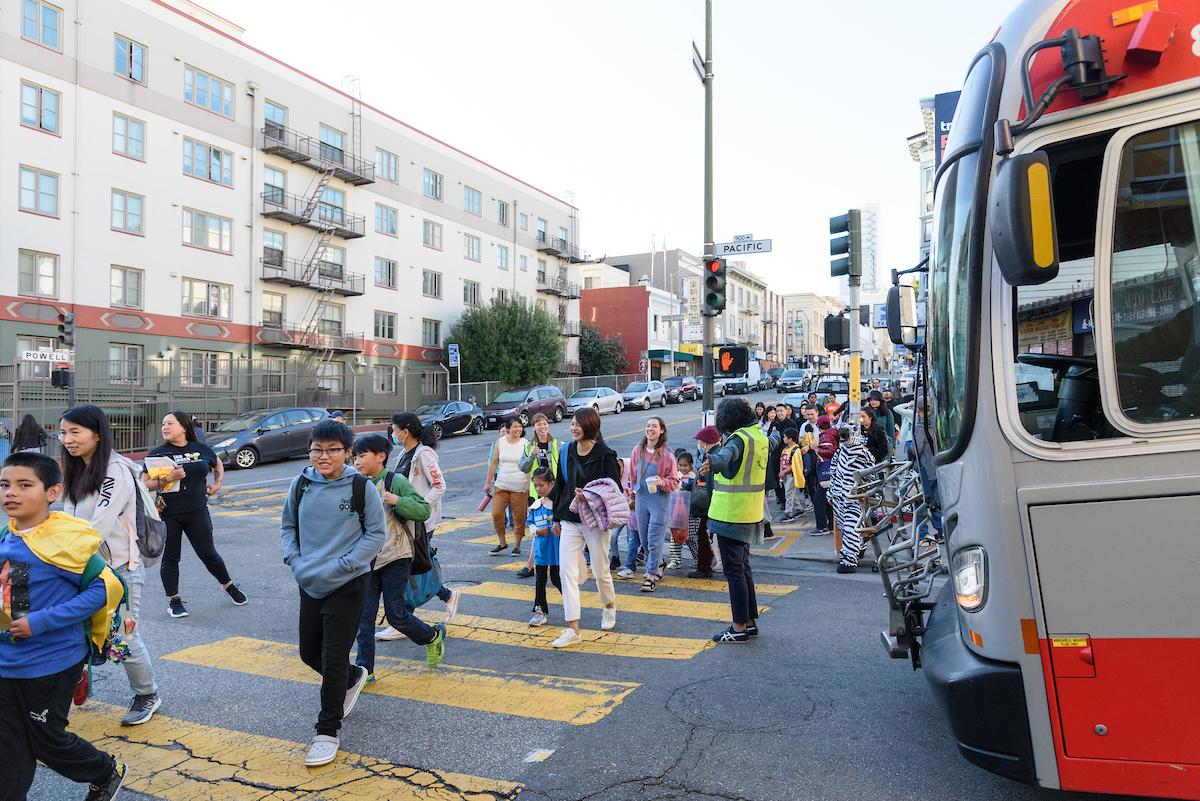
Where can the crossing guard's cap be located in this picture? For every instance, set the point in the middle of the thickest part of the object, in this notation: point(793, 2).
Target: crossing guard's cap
point(708, 435)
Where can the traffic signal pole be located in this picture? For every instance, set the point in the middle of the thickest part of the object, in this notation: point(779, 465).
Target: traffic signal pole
point(708, 319)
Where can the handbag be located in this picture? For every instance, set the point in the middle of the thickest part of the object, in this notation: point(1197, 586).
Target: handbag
point(423, 552)
point(823, 467)
point(424, 586)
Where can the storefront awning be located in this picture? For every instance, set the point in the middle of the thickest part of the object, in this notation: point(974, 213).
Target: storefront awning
point(663, 355)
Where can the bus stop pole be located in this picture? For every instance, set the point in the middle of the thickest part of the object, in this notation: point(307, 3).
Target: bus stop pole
point(709, 325)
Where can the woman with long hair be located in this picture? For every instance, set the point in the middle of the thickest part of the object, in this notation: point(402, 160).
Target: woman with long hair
point(99, 487)
point(185, 508)
point(508, 485)
point(654, 475)
point(29, 436)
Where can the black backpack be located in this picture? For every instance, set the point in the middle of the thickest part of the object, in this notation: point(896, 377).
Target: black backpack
point(358, 500)
point(423, 550)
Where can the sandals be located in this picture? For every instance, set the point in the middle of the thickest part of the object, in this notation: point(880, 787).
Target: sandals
point(648, 585)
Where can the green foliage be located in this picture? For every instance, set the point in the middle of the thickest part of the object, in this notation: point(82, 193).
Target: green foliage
point(600, 356)
point(511, 341)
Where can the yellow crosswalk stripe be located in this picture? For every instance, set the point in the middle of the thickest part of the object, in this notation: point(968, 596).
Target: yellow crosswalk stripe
point(682, 583)
point(446, 526)
point(556, 698)
point(490, 539)
point(785, 542)
point(639, 603)
point(248, 491)
point(245, 512)
point(179, 760)
point(517, 633)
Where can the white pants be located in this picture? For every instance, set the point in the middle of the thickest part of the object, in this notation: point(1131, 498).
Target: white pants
point(570, 559)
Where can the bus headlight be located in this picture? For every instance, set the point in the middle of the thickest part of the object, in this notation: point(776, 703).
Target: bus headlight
point(969, 571)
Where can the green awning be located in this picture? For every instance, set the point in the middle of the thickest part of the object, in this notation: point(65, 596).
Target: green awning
point(663, 354)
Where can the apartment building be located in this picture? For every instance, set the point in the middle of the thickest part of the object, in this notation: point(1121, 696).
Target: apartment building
point(209, 212)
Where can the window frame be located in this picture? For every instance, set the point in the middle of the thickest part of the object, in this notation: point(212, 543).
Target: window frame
point(269, 123)
point(190, 87)
point(472, 201)
point(188, 210)
point(503, 213)
point(388, 159)
point(393, 374)
point(226, 298)
point(265, 247)
point(263, 322)
point(190, 143)
point(436, 191)
point(382, 322)
point(138, 358)
point(141, 229)
point(437, 329)
point(431, 276)
point(117, 115)
point(210, 359)
point(389, 218)
point(468, 300)
point(35, 371)
point(128, 51)
point(41, 25)
point(478, 241)
point(41, 108)
point(34, 254)
point(38, 175)
point(502, 261)
point(523, 220)
point(125, 271)
point(431, 227)
point(395, 273)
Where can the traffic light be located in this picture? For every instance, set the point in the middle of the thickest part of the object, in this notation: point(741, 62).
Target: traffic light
point(714, 287)
point(845, 248)
point(66, 329)
point(837, 333)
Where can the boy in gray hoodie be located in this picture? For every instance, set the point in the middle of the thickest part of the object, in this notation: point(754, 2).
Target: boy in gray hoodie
point(333, 526)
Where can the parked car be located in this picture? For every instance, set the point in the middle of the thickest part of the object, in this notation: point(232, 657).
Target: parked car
point(682, 388)
point(524, 402)
point(264, 435)
point(794, 380)
point(766, 380)
point(832, 384)
point(455, 417)
point(602, 399)
point(644, 394)
point(775, 373)
point(794, 399)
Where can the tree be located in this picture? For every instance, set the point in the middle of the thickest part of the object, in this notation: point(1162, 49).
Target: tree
point(510, 341)
point(600, 356)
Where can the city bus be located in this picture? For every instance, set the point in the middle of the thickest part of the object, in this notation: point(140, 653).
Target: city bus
point(1062, 400)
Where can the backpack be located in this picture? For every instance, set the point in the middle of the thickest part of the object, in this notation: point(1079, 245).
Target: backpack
point(358, 500)
point(148, 523)
point(423, 550)
point(102, 631)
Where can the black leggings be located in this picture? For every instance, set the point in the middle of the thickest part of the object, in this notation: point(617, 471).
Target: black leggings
point(198, 527)
point(539, 592)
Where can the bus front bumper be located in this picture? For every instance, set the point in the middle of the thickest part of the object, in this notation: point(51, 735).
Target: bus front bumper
point(984, 699)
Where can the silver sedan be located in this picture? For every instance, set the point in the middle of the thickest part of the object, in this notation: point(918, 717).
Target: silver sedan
point(645, 394)
point(602, 399)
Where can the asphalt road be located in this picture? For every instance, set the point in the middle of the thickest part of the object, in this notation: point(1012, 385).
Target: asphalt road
point(811, 710)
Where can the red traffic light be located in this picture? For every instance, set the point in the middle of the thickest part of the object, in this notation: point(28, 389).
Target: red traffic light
point(713, 265)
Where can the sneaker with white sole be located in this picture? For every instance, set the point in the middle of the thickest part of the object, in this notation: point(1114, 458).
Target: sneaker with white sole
point(354, 691)
point(608, 619)
point(537, 620)
point(625, 573)
point(452, 605)
point(732, 635)
point(141, 710)
point(323, 751)
point(108, 791)
point(238, 597)
point(175, 608)
point(568, 638)
point(674, 565)
point(388, 634)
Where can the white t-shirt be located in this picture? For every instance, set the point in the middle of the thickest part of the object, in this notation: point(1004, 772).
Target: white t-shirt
point(510, 476)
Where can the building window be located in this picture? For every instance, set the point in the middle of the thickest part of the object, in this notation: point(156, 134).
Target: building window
point(331, 377)
point(125, 363)
point(589, 282)
point(431, 184)
point(541, 271)
point(206, 298)
point(208, 231)
point(274, 185)
point(333, 205)
point(127, 211)
point(502, 295)
point(523, 220)
point(39, 191)
point(385, 325)
point(333, 144)
point(386, 220)
point(472, 247)
point(524, 263)
point(207, 162)
point(330, 317)
point(431, 234)
point(471, 293)
point(541, 230)
point(39, 107)
point(41, 23)
point(274, 244)
point(129, 137)
point(502, 256)
point(502, 213)
point(473, 201)
point(431, 283)
point(387, 165)
point(429, 385)
point(35, 371)
point(129, 59)
point(274, 119)
point(208, 91)
point(383, 379)
point(562, 235)
point(333, 265)
point(37, 274)
point(273, 305)
point(272, 370)
point(205, 368)
point(385, 273)
point(125, 287)
point(431, 333)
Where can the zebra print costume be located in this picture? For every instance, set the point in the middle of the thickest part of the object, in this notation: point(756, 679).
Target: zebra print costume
point(850, 457)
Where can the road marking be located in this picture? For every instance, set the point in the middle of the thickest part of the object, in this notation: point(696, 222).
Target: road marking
point(489, 539)
point(252, 491)
point(461, 468)
point(179, 760)
point(711, 585)
point(283, 480)
point(644, 604)
point(234, 496)
point(785, 541)
point(558, 698)
point(519, 634)
point(245, 512)
point(446, 526)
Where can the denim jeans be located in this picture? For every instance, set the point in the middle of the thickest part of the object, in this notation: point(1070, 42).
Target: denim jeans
point(735, 555)
point(652, 528)
point(138, 668)
point(390, 581)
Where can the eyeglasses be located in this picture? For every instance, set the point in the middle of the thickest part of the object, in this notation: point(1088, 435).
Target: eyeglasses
point(317, 453)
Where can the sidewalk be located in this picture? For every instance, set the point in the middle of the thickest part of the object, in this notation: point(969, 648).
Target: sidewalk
point(794, 541)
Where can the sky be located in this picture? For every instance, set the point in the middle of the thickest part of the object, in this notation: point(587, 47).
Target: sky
point(813, 104)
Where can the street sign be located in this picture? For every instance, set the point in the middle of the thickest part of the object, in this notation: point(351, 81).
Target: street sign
point(453, 349)
point(693, 332)
point(643, 366)
point(722, 249)
point(46, 356)
point(743, 238)
point(692, 296)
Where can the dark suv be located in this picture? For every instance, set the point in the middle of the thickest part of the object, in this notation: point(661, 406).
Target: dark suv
point(523, 403)
point(682, 388)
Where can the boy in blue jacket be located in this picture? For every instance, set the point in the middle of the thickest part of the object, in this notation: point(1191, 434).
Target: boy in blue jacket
point(42, 611)
point(333, 526)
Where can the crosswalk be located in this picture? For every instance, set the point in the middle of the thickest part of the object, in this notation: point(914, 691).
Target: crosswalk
point(491, 673)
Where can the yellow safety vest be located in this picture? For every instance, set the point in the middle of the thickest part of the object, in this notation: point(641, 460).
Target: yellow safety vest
point(740, 499)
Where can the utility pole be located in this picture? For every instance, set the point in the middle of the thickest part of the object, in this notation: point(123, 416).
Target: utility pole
point(709, 393)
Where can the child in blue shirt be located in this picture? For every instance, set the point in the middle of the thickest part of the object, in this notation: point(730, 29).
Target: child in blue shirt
point(42, 559)
point(540, 521)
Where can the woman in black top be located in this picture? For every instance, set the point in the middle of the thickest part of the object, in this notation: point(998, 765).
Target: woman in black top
point(186, 509)
point(29, 436)
point(873, 433)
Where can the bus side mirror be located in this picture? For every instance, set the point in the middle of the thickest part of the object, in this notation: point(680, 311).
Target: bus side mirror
point(902, 315)
point(1021, 219)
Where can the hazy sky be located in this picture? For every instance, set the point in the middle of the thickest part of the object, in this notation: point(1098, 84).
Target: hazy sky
point(813, 104)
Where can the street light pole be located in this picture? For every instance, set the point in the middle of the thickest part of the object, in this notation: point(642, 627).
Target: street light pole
point(709, 325)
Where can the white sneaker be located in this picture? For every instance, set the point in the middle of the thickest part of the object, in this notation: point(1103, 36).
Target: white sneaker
point(388, 634)
point(323, 751)
point(673, 565)
point(353, 693)
point(452, 605)
point(608, 619)
point(568, 638)
point(537, 620)
point(625, 573)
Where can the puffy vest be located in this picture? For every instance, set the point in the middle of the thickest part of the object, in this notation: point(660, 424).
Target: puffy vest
point(740, 499)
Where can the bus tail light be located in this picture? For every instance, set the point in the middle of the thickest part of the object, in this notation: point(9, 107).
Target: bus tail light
point(969, 571)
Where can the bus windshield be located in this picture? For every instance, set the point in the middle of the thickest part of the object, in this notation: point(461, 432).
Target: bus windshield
point(953, 261)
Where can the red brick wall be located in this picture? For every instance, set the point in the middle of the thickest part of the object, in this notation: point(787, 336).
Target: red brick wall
point(619, 310)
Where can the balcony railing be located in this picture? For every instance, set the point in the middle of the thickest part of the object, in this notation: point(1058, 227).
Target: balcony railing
point(288, 335)
point(569, 368)
point(556, 246)
point(311, 213)
point(303, 149)
point(557, 286)
point(323, 275)
point(569, 328)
